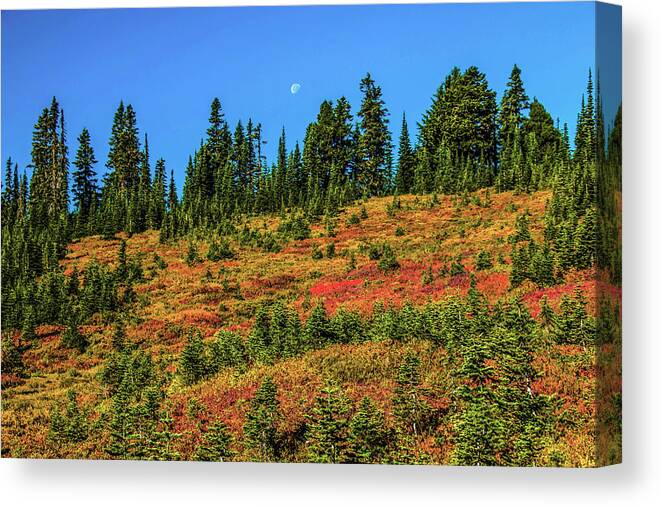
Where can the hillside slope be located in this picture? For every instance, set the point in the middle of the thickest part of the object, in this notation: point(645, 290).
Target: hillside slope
point(436, 241)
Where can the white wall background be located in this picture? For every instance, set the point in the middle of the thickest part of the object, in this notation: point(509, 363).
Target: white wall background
point(636, 482)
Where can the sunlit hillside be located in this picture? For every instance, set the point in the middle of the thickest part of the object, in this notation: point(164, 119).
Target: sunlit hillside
point(385, 258)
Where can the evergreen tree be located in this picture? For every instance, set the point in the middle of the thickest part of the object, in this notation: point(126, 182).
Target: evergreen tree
point(121, 193)
point(216, 444)
point(260, 429)
point(374, 144)
point(9, 189)
point(119, 336)
point(317, 332)
point(173, 200)
point(280, 190)
point(144, 191)
point(48, 197)
point(461, 120)
point(327, 431)
point(161, 443)
point(28, 331)
point(511, 118)
point(405, 161)
point(122, 271)
point(85, 189)
point(72, 338)
point(548, 141)
point(409, 406)
point(368, 434)
point(157, 201)
point(12, 361)
point(120, 424)
point(192, 363)
point(260, 341)
point(228, 351)
point(480, 434)
point(70, 426)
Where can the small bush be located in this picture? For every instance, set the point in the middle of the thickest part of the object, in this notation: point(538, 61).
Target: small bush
point(457, 267)
point(331, 226)
point(351, 265)
point(484, 260)
point(208, 276)
point(388, 260)
point(72, 338)
point(400, 231)
point(428, 276)
point(231, 289)
point(317, 253)
point(159, 262)
point(218, 251)
point(227, 351)
point(297, 228)
point(192, 256)
point(374, 252)
point(268, 243)
point(330, 250)
point(353, 219)
point(12, 361)
point(393, 207)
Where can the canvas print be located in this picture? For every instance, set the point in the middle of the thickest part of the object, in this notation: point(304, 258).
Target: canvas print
point(377, 234)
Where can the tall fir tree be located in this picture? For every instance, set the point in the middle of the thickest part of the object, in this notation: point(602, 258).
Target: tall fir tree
point(405, 161)
point(373, 175)
point(85, 188)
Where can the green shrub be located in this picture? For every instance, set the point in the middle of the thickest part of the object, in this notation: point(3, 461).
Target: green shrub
point(353, 219)
point(374, 252)
point(12, 361)
point(317, 253)
point(159, 262)
point(351, 265)
point(457, 267)
point(218, 251)
point(297, 228)
point(72, 338)
point(192, 256)
point(268, 243)
point(483, 260)
point(427, 276)
point(393, 207)
point(330, 250)
point(227, 351)
point(388, 261)
point(331, 225)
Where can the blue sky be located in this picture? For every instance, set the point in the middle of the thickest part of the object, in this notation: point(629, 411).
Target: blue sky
point(170, 63)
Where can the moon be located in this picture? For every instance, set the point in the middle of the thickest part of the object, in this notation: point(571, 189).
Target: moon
point(295, 88)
